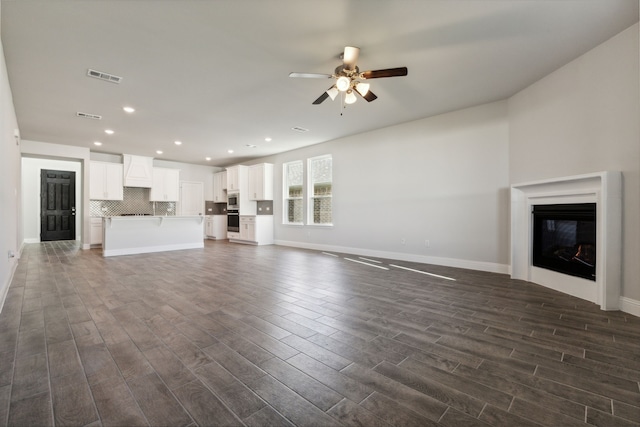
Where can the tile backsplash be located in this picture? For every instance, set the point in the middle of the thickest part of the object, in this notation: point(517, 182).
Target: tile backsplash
point(212, 208)
point(265, 207)
point(135, 201)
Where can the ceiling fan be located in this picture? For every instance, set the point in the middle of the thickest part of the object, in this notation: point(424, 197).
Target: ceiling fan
point(349, 79)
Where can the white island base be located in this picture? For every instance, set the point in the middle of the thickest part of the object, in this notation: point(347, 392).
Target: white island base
point(128, 235)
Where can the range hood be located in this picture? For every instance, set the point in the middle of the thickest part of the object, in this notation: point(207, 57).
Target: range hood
point(138, 171)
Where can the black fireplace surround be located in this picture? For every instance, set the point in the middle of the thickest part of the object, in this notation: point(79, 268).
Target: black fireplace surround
point(564, 238)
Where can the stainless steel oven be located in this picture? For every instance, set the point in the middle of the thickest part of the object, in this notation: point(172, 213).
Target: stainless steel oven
point(233, 221)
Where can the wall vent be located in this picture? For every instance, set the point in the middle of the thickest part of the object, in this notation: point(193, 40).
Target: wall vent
point(103, 76)
point(299, 129)
point(89, 116)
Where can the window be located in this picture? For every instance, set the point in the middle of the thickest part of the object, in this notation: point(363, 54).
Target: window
point(319, 170)
point(293, 197)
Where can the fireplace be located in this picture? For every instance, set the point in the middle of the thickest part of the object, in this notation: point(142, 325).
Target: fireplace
point(564, 238)
point(576, 222)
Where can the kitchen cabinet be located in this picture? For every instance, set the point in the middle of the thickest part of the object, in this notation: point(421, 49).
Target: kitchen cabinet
point(166, 185)
point(208, 226)
point(254, 230)
point(138, 171)
point(237, 177)
point(96, 231)
point(261, 182)
point(219, 187)
point(216, 227)
point(128, 235)
point(237, 182)
point(248, 228)
point(105, 181)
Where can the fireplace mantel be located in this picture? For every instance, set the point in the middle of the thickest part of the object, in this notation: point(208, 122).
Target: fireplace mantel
point(602, 188)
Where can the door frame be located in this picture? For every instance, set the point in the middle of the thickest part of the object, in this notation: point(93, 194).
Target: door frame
point(32, 165)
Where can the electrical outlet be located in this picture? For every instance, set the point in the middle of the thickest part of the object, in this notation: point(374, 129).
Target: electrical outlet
point(403, 241)
point(427, 243)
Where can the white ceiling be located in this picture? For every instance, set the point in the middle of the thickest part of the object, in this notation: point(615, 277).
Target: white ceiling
point(214, 74)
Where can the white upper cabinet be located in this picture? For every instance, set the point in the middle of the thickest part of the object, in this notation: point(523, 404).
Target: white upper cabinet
point(219, 187)
point(138, 171)
point(236, 179)
point(105, 181)
point(261, 182)
point(166, 185)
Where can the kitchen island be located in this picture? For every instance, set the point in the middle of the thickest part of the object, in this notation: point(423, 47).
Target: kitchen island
point(127, 235)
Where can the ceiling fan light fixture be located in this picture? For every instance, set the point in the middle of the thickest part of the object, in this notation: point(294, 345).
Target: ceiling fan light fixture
point(350, 98)
point(333, 92)
point(362, 88)
point(343, 83)
point(350, 57)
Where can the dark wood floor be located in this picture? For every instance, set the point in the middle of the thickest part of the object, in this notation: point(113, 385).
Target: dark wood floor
point(266, 336)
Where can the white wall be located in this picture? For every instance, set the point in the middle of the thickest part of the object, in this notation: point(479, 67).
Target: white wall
point(10, 228)
point(31, 169)
point(583, 118)
point(443, 179)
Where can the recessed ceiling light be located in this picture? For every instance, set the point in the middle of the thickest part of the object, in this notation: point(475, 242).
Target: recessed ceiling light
point(98, 143)
point(207, 158)
point(229, 151)
point(177, 142)
point(267, 139)
point(129, 109)
point(159, 151)
point(108, 132)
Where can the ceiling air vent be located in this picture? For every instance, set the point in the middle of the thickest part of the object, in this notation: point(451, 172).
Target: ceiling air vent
point(103, 76)
point(89, 116)
point(299, 129)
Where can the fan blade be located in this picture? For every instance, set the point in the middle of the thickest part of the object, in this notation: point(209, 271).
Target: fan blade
point(350, 57)
point(311, 75)
point(389, 72)
point(369, 96)
point(321, 98)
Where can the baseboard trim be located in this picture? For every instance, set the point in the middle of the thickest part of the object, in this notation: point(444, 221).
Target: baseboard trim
point(7, 284)
point(400, 256)
point(630, 306)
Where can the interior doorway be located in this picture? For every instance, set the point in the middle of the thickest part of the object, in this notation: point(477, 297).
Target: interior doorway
point(57, 205)
point(191, 198)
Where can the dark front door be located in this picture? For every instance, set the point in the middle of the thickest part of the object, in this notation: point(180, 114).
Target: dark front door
point(57, 205)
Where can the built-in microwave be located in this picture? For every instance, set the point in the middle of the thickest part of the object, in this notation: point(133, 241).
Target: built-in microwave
point(233, 201)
